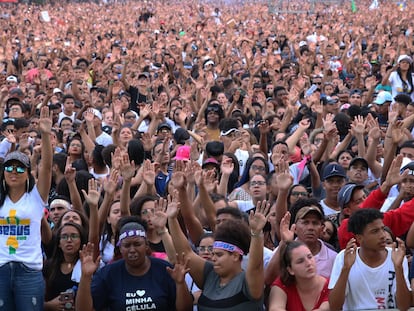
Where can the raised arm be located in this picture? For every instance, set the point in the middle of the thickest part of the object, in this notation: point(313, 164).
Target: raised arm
point(255, 273)
point(45, 171)
point(92, 198)
point(84, 301)
point(196, 263)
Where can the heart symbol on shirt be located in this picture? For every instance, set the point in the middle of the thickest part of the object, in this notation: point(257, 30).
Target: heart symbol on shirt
point(141, 293)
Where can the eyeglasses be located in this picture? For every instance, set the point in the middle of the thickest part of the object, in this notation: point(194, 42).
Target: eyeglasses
point(257, 183)
point(258, 168)
point(212, 109)
point(130, 117)
point(19, 169)
point(147, 211)
point(299, 194)
point(202, 249)
point(72, 236)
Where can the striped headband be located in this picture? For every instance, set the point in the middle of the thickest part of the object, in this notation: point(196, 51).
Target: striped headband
point(131, 233)
point(227, 247)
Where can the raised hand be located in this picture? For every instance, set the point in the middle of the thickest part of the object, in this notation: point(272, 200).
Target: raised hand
point(127, 168)
point(287, 234)
point(394, 175)
point(283, 178)
point(93, 195)
point(89, 266)
point(173, 205)
point(110, 183)
point(88, 115)
point(227, 166)
point(398, 253)
point(358, 126)
point(180, 269)
point(159, 218)
point(258, 218)
point(148, 172)
point(350, 253)
point(70, 172)
point(45, 121)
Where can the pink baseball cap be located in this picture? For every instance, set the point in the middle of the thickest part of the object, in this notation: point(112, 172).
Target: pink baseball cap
point(183, 153)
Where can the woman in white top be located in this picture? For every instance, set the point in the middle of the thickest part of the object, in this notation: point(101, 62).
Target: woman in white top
point(22, 202)
point(401, 78)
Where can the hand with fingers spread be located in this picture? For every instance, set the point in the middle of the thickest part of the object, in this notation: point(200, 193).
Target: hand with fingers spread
point(358, 126)
point(88, 115)
point(159, 218)
point(116, 159)
point(258, 218)
point(93, 195)
point(127, 168)
point(110, 183)
point(148, 173)
point(180, 269)
point(394, 175)
point(89, 266)
point(173, 206)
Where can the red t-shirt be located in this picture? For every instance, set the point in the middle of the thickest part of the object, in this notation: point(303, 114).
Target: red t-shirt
point(293, 299)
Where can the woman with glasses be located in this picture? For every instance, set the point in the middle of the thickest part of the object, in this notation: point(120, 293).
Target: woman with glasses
point(297, 192)
point(62, 270)
point(256, 165)
point(22, 202)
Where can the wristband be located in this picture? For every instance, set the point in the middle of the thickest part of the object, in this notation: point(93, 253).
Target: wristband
point(256, 234)
point(162, 231)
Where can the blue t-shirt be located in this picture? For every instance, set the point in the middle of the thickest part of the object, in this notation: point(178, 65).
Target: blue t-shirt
point(113, 288)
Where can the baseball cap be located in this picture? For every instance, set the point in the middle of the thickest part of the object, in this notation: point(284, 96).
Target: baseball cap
point(12, 79)
point(407, 164)
point(383, 97)
point(17, 156)
point(359, 159)
point(97, 113)
point(163, 125)
point(300, 214)
point(143, 75)
point(181, 135)
point(183, 153)
point(328, 100)
point(345, 193)
point(333, 170)
point(405, 57)
point(57, 90)
point(211, 161)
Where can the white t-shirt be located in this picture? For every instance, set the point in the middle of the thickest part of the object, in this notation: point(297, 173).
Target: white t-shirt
point(20, 238)
point(104, 139)
point(397, 85)
point(62, 115)
point(367, 287)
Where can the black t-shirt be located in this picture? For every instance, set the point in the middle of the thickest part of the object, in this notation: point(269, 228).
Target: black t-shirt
point(136, 97)
point(60, 283)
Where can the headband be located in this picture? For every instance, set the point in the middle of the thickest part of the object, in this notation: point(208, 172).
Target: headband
point(131, 233)
point(61, 202)
point(227, 247)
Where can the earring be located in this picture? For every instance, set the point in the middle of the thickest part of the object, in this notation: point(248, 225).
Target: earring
point(4, 185)
point(27, 183)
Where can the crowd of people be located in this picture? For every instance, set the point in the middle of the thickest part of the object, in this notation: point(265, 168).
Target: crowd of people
point(206, 156)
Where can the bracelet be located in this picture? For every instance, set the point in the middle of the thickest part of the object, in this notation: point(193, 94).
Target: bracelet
point(162, 232)
point(256, 234)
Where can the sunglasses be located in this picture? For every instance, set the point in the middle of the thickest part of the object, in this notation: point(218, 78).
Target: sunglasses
point(19, 169)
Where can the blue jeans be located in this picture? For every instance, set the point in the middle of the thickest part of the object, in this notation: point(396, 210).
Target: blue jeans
point(21, 288)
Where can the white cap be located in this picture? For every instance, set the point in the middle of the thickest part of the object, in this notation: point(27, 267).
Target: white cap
point(302, 43)
point(57, 90)
point(404, 57)
point(12, 79)
point(97, 113)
